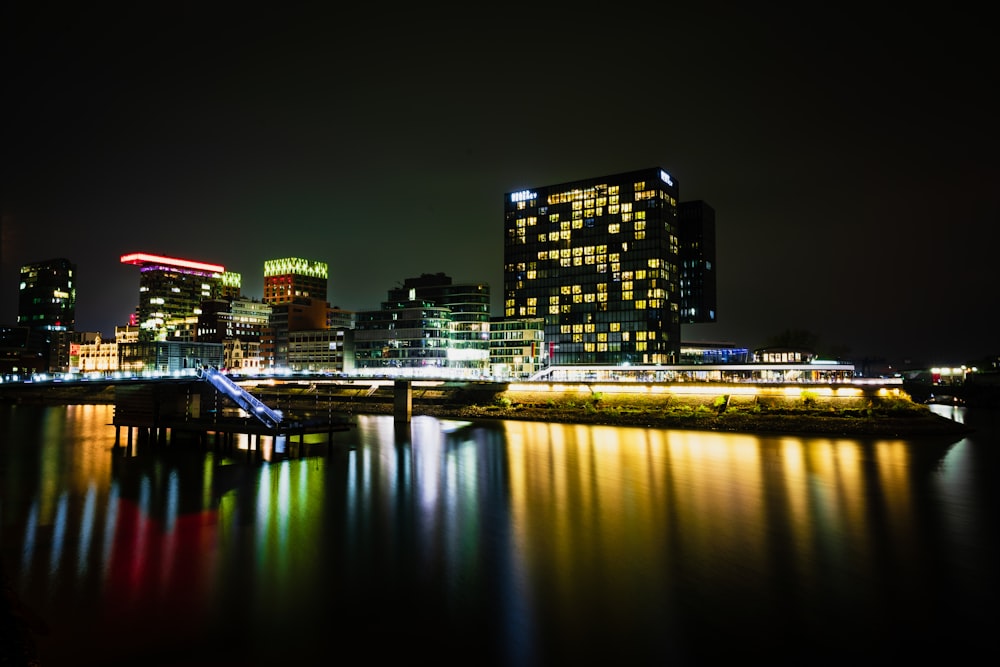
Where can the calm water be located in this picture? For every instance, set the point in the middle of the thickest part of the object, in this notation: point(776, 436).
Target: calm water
point(509, 543)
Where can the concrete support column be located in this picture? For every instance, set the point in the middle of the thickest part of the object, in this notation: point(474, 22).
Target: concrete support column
point(403, 401)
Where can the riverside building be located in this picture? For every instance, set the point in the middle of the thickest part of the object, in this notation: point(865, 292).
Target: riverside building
point(171, 292)
point(599, 260)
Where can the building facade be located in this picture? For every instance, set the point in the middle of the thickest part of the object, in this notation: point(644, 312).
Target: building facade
point(598, 260)
point(469, 303)
point(46, 304)
point(291, 278)
point(408, 336)
point(171, 292)
point(697, 262)
point(517, 347)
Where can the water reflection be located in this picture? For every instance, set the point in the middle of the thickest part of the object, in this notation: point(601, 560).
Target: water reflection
point(513, 543)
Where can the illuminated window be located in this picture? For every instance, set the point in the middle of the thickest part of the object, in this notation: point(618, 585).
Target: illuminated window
point(615, 326)
point(627, 296)
point(640, 305)
point(613, 228)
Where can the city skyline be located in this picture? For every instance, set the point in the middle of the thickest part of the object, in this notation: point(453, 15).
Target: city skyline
point(852, 185)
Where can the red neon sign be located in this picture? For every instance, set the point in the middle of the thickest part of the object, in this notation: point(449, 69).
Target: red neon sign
point(142, 258)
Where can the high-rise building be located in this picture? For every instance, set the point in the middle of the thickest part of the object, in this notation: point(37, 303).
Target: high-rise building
point(171, 291)
point(697, 262)
point(47, 306)
point(469, 331)
point(293, 278)
point(598, 259)
point(47, 296)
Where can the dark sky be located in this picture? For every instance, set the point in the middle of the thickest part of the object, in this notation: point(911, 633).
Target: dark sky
point(851, 157)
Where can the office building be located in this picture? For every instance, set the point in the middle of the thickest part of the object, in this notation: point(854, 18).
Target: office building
point(171, 292)
point(697, 262)
point(598, 260)
point(403, 336)
point(517, 347)
point(47, 295)
point(294, 278)
point(47, 306)
point(469, 303)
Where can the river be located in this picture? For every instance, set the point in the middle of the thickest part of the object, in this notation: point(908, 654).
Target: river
point(507, 543)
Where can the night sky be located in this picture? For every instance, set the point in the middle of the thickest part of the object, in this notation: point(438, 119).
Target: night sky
point(851, 157)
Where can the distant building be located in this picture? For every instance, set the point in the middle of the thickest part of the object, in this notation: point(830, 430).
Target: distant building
point(171, 292)
point(47, 306)
point(291, 278)
point(411, 335)
point(599, 260)
point(517, 347)
point(697, 262)
point(469, 303)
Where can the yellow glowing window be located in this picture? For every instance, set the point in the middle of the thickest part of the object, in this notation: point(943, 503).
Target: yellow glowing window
point(520, 222)
point(565, 328)
point(602, 337)
point(577, 298)
point(626, 217)
point(578, 205)
point(508, 312)
point(639, 186)
point(652, 335)
point(577, 328)
point(588, 260)
point(566, 262)
point(626, 207)
point(532, 301)
point(522, 311)
point(602, 287)
point(626, 284)
point(554, 300)
point(532, 275)
point(554, 217)
point(577, 338)
point(602, 268)
point(615, 326)
point(639, 347)
point(613, 228)
point(627, 296)
point(640, 304)
point(639, 236)
point(588, 328)
point(565, 309)
point(589, 297)
point(565, 289)
point(565, 236)
point(564, 226)
point(602, 297)
point(625, 335)
point(565, 252)
point(602, 347)
point(543, 254)
point(588, 347)
point(578, 224)
point(640, 274)
point(532, 221)
point(553, 236)
point(640, 224)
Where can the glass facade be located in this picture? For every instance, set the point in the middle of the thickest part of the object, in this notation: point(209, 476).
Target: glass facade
point(405, 334)
point(47, 296)
point(171, 292)
point(697, 262)
point(598, 260)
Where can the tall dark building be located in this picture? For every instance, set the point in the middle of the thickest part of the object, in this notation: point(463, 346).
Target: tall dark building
point(598, 259)
point(47, 296)
point(47, 307)
point(697, 262)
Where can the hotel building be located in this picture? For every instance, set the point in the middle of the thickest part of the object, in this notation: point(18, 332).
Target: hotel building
point(598, 260)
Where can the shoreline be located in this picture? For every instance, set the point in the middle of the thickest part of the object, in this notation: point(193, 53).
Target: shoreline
point(898, 418)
